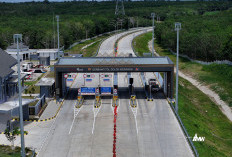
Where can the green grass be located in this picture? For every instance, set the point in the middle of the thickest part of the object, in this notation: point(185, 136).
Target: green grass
point(202, 116)
point(30, 88)
point(217, 77)
point(199, 114)
point(90, 50)
point(29, 83)
point(140, 43)
point(50, 74)
point(6, 151)
point(33, 103)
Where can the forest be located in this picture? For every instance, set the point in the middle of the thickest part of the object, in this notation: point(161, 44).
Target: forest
point(206, 32)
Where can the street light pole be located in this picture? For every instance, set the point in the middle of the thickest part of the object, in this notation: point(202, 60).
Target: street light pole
point(177, 29)
point(153, 16)
point(17, 37)
point(58, 35)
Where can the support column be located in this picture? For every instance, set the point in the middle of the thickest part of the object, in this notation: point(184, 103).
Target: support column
point(58, 84)
point(165, 83)
point(170, 76)
point(64, 90)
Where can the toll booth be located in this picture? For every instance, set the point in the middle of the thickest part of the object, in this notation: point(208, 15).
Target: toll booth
point(130, 84)
point(131, 90)
point(115, 90)
point(106, 83)
point(97, 98)
point(114, 64)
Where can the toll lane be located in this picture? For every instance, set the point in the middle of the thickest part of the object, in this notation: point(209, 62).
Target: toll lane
point(127, 142)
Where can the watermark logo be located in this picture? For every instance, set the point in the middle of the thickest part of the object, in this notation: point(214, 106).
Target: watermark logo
point(198, 139)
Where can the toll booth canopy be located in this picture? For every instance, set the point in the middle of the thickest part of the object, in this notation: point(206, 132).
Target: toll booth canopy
point(114, 64)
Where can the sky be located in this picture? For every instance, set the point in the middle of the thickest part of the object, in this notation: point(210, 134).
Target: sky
point(14, 1)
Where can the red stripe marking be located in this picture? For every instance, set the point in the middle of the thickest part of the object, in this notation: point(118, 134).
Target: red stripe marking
point(115, 131)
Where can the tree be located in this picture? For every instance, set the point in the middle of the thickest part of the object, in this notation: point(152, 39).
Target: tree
point(33, 90)
point(88, 24)
point(46, 1)
point(11, 135)
point(228, 49)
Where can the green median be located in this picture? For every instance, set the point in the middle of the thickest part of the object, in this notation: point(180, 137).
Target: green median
point(89, 50)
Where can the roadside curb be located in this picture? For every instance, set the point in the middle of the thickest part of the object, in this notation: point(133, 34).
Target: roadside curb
point(1, 133)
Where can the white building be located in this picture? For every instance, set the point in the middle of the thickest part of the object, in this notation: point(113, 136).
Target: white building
point(24, 51)
point(52, 53)
point(27, 54)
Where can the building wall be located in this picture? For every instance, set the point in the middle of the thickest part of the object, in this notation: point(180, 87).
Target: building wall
point(7, 90)
point(47, 90)
point(3, 95)
point(1, 90)
point(52, 55)
point(4, 117)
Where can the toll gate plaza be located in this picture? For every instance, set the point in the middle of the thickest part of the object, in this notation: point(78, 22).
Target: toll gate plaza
point(115, 105)
point(108, 69)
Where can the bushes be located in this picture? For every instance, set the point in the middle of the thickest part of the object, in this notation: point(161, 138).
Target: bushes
point(205, 24)
point(204, 37)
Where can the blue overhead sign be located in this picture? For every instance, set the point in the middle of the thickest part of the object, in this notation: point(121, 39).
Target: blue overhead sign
point(105, 90)
point(69, 80)
point(87, 91)
point(88, 80)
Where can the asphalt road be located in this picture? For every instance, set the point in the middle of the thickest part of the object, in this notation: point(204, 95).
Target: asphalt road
point(149, 130)
point(124, 45)
point(107, 47)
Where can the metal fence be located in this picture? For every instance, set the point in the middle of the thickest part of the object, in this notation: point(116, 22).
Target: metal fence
point(180, 121)
point(202, 62)
point(34, 110)
point(76, 43)
point(185, 131)
point(159, 77)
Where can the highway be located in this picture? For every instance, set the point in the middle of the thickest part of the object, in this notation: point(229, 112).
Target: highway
point(124, 45)
point(149, 130)
point(107, 47)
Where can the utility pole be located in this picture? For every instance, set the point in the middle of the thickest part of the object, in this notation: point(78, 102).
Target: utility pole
point(137, 22)
point(153, 27)
point(128, 23)
point(177, 29)
point(54, 36)
point(119, 8)
point(58, 35)
point(17, 37)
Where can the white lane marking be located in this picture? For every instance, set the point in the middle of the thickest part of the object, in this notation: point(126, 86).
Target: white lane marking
point(118, 104)
point(95, 112)
point(134, 111)
point(75, 111)
point(45, 139)
point(112, 106)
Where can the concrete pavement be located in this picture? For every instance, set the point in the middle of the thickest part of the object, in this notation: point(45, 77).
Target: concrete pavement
point(149, 130)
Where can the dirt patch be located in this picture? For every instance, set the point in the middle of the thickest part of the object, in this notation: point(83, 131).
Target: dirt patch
point(206, 90)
